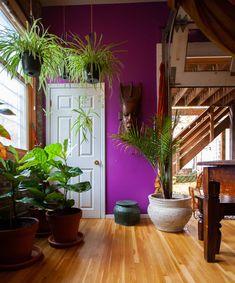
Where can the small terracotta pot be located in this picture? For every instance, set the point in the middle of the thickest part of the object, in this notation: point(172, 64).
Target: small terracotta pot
point(43, 227)
point(16, 243)
point(64, 224)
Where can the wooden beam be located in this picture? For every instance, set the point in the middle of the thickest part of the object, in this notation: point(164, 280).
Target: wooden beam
point(31, 116)
point(210, 60)
point(185, 111)
point(218, 96)
point(227, 100)
point(204, 49)
point(203, 79)
point(13, 10)
point(211, 115)
point(206, 95)
point(181, 93)
point(223, 146)
point(193, 95)
point(232, 67)
point(190, 135)
point(232, 131)
point(203, 142)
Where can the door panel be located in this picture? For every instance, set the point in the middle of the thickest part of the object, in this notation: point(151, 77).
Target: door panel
point(63, 99)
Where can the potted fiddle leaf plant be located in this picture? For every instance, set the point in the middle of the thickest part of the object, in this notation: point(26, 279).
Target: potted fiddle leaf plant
point(168, 211)
point(33, 50)
point(92, 61)
point(64, 219)
point(37, 162)
point(16, 233)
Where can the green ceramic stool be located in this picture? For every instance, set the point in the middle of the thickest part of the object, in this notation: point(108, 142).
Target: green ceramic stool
point(126, 212)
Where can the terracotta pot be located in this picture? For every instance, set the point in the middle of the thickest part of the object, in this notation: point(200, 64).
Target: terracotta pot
point(31, 66)
point(91, 74)
point(16, 244)
point(64, 224)
point(43, 227)
point(170, 215)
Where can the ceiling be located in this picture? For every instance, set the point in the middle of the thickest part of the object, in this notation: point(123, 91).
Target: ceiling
point(93, 2)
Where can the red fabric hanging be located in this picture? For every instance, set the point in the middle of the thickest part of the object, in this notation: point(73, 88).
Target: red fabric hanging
point(161, 106)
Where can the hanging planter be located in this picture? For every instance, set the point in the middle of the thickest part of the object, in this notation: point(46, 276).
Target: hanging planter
point(31, 65)
point(33, 50)
point(91, 73)
point(90, 61)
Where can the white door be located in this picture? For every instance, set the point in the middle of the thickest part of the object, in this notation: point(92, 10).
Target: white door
point(88, 155)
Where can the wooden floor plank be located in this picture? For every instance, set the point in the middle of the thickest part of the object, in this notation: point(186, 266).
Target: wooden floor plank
point(113, 253)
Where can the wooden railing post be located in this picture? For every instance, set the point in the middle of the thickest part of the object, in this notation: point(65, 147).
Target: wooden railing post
point(211, 115)
point(223, 146)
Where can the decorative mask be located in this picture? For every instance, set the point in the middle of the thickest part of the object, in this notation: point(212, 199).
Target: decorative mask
point(130, 106)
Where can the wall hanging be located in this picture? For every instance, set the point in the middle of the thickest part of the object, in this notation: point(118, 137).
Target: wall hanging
point(130, 97)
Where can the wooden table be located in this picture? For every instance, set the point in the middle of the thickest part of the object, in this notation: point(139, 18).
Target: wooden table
point(216, 174)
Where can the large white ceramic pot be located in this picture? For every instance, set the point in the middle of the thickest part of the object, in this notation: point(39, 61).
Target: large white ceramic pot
point(170, 215)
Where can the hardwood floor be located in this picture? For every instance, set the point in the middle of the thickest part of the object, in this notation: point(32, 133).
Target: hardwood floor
point(112, 253)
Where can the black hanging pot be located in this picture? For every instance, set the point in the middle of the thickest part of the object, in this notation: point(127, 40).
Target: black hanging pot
point(31, 66)
point(91, 73)
point(63, 73)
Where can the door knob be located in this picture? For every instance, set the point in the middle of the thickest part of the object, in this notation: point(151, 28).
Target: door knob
point(97, 162)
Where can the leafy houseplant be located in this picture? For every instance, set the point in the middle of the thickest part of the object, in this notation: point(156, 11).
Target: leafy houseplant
point(37, 162)
point(156, 145)
point(16, 233)
point(64, 218)
point(35, 44)
point(92, 61)
point(49, 174)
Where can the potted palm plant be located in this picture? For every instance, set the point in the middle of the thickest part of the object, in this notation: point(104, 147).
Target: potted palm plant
point(16, 233)
point(34, 50)
point(168, 211)
point(92, 61)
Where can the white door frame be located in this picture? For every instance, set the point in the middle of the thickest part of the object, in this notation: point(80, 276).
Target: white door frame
point(103, 143)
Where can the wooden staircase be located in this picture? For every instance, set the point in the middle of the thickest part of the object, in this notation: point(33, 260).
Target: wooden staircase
point(199, 134)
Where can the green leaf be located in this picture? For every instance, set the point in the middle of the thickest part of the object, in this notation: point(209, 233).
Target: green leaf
point(31, 183)
point(12, 150)
point(34, 157)
point(73, 171)
point(57, 164)
point(55, 196)
point(4, 133)
point(69, 203)
point(6, 195)
point(58, 176)
point(65, 145)
point(79, 187)
point(53, 150)
point(37, 194)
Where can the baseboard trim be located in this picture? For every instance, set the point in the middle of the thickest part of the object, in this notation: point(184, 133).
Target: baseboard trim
point(111, 216)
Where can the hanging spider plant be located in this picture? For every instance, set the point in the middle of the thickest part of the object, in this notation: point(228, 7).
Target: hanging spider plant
point(36, 44)
point(83, 123)
point(92, 61)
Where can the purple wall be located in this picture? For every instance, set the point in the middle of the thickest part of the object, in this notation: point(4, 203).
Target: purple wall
point(128, 176)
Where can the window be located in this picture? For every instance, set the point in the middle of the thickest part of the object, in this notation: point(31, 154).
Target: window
point(13, 94)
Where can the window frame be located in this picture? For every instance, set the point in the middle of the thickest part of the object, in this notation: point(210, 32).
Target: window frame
point(30, 90)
